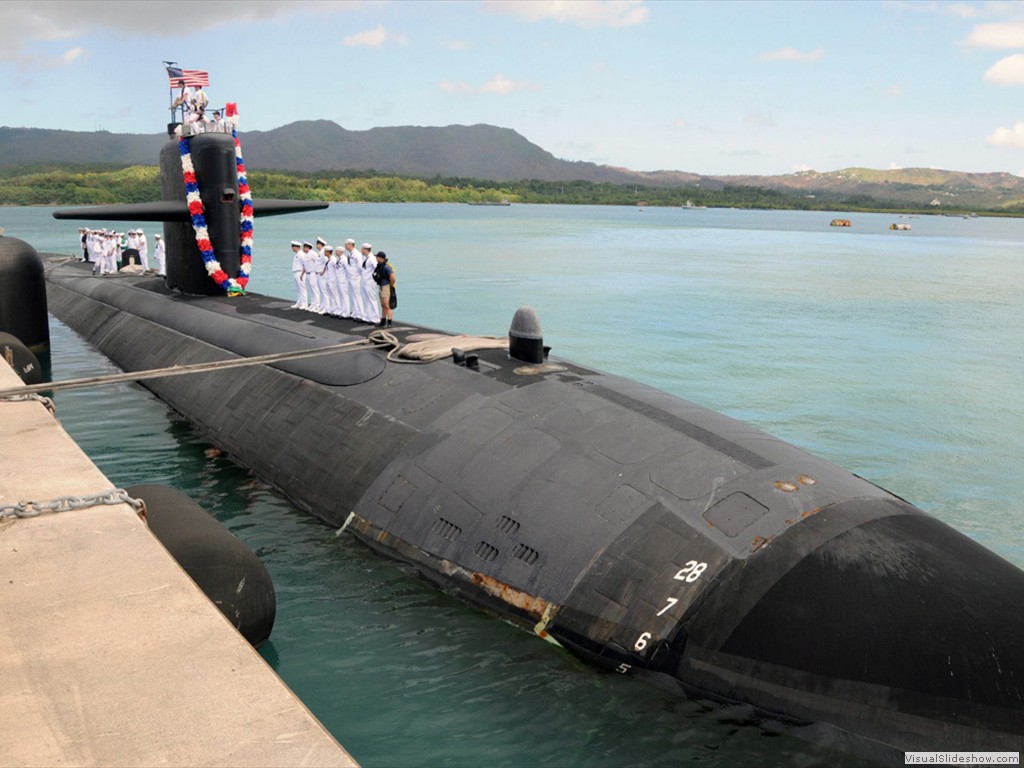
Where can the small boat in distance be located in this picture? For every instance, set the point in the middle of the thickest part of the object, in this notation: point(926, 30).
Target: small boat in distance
point(900, 227)
point(841, 223)
point(689, 204)
point(503, 201)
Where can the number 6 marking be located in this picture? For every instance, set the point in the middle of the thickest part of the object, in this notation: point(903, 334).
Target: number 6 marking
point(691, 572)
point(641, 642)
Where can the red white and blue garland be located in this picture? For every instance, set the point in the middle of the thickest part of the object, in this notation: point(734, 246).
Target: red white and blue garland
point(195, 208)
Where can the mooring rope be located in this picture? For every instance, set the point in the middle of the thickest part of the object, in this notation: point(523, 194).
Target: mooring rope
point(437, 348)
point(181, 370)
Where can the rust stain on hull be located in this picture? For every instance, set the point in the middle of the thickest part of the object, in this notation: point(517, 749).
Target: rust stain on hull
point(534, 606)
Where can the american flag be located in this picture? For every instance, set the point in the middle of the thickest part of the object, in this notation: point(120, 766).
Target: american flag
point(192, 77)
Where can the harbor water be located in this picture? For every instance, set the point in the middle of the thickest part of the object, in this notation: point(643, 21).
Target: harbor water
point(895, 354)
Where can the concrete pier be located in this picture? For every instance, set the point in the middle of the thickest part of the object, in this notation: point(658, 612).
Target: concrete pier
point(109, 653)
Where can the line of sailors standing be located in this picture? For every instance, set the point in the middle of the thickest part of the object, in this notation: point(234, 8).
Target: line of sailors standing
point(339, 282)
point(105, 248)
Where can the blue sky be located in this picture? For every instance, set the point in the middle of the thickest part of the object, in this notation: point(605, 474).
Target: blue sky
point(709, 87)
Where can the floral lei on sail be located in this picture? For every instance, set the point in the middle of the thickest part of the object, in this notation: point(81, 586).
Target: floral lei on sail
point(233, 286)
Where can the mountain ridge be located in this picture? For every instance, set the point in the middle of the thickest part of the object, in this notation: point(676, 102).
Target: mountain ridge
point(496, 154)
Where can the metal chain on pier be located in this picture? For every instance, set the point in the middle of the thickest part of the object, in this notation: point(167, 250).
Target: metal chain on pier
point(33, 396)
point(67, 503)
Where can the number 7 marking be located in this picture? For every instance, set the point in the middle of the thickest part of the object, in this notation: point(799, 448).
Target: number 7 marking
point(671, 601)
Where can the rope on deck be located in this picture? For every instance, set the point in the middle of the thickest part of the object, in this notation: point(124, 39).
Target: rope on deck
point(181, 370)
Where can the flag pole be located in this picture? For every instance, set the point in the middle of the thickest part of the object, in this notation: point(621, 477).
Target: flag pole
point(170, 88)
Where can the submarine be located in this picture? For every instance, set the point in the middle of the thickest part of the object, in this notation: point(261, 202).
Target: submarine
point(643, 533)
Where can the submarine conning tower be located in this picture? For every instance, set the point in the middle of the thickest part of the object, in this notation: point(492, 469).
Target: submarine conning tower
point(213, 155)
point(216, 168)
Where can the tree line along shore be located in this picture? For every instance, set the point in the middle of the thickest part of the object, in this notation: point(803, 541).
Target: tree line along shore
point(98, 185)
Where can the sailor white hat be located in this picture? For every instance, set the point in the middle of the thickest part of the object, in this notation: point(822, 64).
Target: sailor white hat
point(367, 245)
point(328, 247)
point(296, 243)
point(307, 244)
point(157, 235)
point(321, 241)
point(350, 240)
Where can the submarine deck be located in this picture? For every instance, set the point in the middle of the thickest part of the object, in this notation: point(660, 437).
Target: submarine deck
point(110, 654)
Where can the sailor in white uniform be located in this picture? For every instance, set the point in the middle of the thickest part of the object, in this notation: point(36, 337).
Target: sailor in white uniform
point(309, 267)
point(109, 254)
point(143, 245)
point(329, 283)
point(350, 281)
point(369, 291)
point(297, 273)
point(160, 254)
point(318, 296)
point(340, 260)
point(90, 247)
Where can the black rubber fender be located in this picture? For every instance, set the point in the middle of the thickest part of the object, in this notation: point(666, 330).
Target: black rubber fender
point(21, 359)
point(224, 568)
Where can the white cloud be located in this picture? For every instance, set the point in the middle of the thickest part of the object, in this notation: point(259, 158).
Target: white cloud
point(1000, 35)
point(583, 13)
point(680, 123)
point(964, 10)
point(759, 120)
point(895, 90)
point(459, 45)
point(1010, 138)
point(26, 22)
point(374, 38)
point(73, 53)
point(502, 86)
point(450, 87)
point(792, 54)
point(894, 166)
point(803, 168)
point(1008, 71)
point(499, 84)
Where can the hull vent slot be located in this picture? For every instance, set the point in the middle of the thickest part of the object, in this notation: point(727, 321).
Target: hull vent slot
point(507, 525)
point(526, 554)
point(486, 552)
point(446, 530)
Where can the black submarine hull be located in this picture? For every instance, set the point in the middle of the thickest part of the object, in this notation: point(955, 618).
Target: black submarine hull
point(642, 532)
